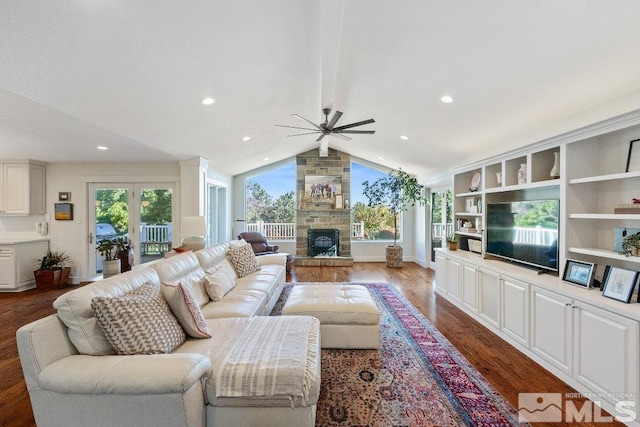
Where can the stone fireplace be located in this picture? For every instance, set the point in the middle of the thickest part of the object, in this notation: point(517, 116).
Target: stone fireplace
point(323, 241)
point(314, 213)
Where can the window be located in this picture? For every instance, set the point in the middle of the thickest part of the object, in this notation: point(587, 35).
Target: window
point(271, 205)
point(369, 223)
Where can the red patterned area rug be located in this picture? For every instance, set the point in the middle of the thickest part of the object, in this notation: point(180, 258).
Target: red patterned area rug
point(416, 378)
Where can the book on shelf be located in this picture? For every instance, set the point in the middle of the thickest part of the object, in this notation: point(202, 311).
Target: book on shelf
point(627, 209)
point(468, 230)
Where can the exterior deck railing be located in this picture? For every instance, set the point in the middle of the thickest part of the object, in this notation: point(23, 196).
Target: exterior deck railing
point(287, 230)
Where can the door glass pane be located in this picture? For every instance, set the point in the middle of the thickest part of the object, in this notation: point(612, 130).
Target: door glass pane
point(111, 213)
point(156, 222)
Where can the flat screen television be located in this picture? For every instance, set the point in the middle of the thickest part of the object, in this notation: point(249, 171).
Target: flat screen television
point(524, 232)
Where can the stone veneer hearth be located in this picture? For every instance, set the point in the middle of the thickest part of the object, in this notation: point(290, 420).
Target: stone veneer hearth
point(319, 214)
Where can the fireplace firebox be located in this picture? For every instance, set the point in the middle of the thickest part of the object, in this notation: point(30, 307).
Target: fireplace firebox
point(323, 241)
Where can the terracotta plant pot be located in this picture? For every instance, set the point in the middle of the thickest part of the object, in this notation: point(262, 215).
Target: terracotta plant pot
point(453, 246)
point(394, 256)
point(52, 279)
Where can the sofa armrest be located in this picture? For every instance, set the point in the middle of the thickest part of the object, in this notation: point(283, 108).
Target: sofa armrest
point(140, 374)
point(273, 248)
point(277, 259)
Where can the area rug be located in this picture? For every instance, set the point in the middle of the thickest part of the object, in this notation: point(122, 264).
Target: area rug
point(415, 378)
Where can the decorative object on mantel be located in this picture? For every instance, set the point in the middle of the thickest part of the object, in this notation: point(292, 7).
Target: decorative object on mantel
point(476, 179)
point(633, 208)
point(555, 170)
point(522, 174)
point(397, 192)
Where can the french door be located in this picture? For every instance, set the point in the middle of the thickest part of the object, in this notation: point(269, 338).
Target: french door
point(140, 212)
point(441, 217)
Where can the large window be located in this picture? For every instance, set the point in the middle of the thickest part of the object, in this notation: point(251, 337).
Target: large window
point(369, 222)
point(271, 207)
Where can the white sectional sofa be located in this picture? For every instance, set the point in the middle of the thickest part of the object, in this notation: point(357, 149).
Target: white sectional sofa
point(74, 376)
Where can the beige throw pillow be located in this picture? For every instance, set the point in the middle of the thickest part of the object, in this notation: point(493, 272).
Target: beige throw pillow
point(138, 322)
point(185, 308)
point(218, 282)
point(243, 259)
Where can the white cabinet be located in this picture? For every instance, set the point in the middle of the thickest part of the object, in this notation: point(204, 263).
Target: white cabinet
point(515, 310)
point(442, 269)
point(22, 189)
point(551, 328)
point(606, 351)
point(470, 287)
point(17, 262)
point(489, 294)
point(454, 266)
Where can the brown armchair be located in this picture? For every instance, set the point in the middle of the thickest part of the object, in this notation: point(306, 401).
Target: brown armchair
point(260, 246)
point(258, 242)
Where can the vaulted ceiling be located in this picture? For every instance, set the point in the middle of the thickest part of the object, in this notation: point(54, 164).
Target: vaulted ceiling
point(131, 75)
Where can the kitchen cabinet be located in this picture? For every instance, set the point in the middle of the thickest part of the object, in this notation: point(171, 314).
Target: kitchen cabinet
point(22, 188)
point(17, 262)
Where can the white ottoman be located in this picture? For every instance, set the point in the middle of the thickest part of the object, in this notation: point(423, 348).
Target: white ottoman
point(349, 317)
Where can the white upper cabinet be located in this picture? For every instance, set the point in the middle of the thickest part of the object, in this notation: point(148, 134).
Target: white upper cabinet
point(22, 189)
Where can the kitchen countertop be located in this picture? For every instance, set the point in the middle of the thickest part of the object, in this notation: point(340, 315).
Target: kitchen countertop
point(20, 238)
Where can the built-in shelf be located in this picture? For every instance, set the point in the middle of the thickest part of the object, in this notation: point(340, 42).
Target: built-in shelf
point(608, 177)
point(618, 217)
point(468, 214)
point(602, 253)
point(539, 184)
point(476, 235)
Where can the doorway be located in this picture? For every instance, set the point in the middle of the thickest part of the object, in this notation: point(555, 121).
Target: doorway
point(141, 213)
point(441, 218)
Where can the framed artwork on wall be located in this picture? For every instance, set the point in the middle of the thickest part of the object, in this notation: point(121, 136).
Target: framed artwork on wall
point(322, 188)
point(63, 211)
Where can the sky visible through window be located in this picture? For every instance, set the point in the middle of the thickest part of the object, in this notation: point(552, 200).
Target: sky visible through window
point(283, 179)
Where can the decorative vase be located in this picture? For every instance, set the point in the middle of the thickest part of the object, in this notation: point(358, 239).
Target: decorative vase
point(394, 256)
point(522, 174)
point(110, 268)
point(555, 170)
point(499, 177)
point(634, 251)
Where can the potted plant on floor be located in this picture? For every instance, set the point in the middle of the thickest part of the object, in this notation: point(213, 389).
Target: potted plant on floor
point(397, 191)
point(52, 273)
point(111, 249)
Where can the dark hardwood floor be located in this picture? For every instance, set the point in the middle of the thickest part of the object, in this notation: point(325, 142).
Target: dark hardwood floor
point(508, 370)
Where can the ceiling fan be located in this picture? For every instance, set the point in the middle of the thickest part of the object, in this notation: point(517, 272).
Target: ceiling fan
point(330, 128)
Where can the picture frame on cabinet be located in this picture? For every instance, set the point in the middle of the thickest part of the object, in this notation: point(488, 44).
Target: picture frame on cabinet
point(470, 204)
point(579, 273)
point(618, 283)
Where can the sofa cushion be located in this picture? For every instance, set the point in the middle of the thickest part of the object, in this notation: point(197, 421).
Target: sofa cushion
point(237, 303)
point(186, 309)
point(74, 308)
point(243, 259)
point(138, 322)
point(219, 281)
point(185, 269)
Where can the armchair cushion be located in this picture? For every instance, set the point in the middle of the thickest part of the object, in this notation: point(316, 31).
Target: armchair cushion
point(258, 242)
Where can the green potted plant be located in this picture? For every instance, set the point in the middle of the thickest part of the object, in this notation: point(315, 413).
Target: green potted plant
point(110, 250)
point(52, 272)
point(631, 244)
point(452, 241)
point(397, 191)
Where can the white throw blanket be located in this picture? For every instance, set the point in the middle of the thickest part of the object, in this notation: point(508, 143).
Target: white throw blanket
point(272, 358)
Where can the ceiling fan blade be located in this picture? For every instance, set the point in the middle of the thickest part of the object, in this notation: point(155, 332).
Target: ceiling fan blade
point(308, 121)
point(298, 134)
point(340, 136)
point(320, 137)
point(295, 127)
point(334, 119)
point(364, 122)
point(368, 132)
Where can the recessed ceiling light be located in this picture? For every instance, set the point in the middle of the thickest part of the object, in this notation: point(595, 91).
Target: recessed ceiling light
point(404, 137)
point(265, 159)
point(246, 138)
point(208, 101)
point(102, 147)
point(381, 158)
point(447, 99)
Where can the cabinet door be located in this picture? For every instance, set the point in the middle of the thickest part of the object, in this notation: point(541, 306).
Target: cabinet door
point(551, 328)
point(16, 188)
point(470, 287)
point(489, 291)
point(37, 193)
point(2, 190)
point(606, 349)
point(515, 310)
point(454, 279)
point(7, 267)
point(24, 264)
point(441, 273)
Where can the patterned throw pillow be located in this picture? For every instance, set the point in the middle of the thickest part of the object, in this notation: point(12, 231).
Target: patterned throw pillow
point(184, 307)
point(243, 259)
point(138, 322)
point(218, 282)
